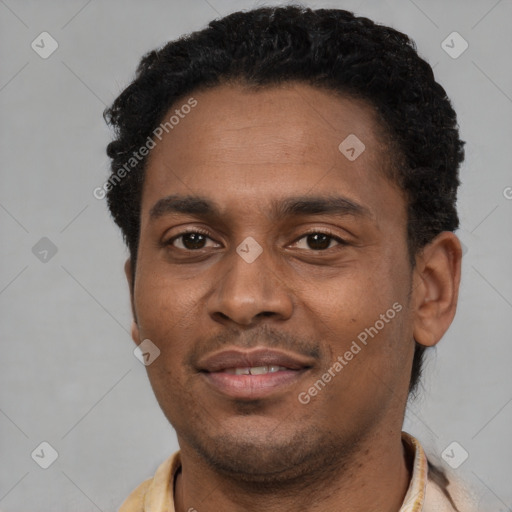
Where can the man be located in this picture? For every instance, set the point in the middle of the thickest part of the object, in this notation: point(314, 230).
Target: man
point(286, 181)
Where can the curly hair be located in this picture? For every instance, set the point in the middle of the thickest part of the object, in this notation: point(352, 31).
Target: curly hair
point(326, 48)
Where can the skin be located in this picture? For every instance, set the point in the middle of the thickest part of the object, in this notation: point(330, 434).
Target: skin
point(243, 150)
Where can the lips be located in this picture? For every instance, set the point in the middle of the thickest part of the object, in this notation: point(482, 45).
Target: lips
point(257, 358)
point(253, 374)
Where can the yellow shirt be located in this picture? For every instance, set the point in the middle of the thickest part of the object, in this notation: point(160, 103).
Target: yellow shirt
point(423, 495)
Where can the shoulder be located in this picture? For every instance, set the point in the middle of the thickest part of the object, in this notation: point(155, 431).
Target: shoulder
point(157, 492)
point(447, 493)
point(135, 501)
point(433, 488)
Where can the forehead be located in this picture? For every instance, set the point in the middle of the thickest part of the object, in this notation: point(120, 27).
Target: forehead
point(245, 146)
point(285, 117)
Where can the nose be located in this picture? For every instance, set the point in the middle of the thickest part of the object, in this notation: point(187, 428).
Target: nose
point(246, 291)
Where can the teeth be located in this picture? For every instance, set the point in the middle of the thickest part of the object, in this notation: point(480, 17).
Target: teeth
point(255, 370)
point(259, 370)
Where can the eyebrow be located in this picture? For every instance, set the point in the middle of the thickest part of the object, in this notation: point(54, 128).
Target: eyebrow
point(291, 206)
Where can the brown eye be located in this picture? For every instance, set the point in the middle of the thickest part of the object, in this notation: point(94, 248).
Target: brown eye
point(319, 241)
point(189, 240)
point(193, 240)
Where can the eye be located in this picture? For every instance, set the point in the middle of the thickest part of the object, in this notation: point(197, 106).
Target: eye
point(195, 240)
point(190, 240)
point(320, 241)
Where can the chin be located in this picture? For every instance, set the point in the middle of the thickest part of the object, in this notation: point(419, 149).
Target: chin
point(254, 457)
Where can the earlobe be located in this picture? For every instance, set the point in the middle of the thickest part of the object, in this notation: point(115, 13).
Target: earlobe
point(129, 278)
point(436, 287)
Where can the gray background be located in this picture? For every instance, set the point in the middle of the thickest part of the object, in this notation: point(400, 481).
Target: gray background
point(69, 376)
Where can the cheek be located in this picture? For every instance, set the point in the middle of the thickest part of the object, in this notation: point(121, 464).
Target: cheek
point(165, 314)
point(362, 317)
point(368, 360)
point(161, 301)
point(353, 299)
point(161, 317)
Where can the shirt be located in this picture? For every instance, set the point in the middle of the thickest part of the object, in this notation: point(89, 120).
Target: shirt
point(423, 495)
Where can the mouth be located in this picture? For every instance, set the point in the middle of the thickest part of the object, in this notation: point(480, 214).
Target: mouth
point(255, 370)
point(255, 374)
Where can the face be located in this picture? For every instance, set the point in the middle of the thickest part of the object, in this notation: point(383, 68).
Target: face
point(265, 246)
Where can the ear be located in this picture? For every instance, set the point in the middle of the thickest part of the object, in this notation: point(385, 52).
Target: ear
point(436, 288)
point(129, 277)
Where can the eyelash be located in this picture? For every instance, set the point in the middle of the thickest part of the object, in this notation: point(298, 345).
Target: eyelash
point(200, 231)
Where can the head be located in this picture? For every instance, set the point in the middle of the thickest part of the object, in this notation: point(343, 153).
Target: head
point(322, 141)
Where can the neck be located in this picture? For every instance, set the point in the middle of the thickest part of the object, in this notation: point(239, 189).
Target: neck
point(376, 477)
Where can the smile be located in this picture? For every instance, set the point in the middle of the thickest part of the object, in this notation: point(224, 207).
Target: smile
point(255, 370)
point(255, 374)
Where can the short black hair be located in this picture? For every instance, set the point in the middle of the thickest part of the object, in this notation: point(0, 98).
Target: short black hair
point(327, 48)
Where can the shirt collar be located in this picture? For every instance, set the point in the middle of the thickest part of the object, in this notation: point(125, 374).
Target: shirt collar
point(415, 496)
